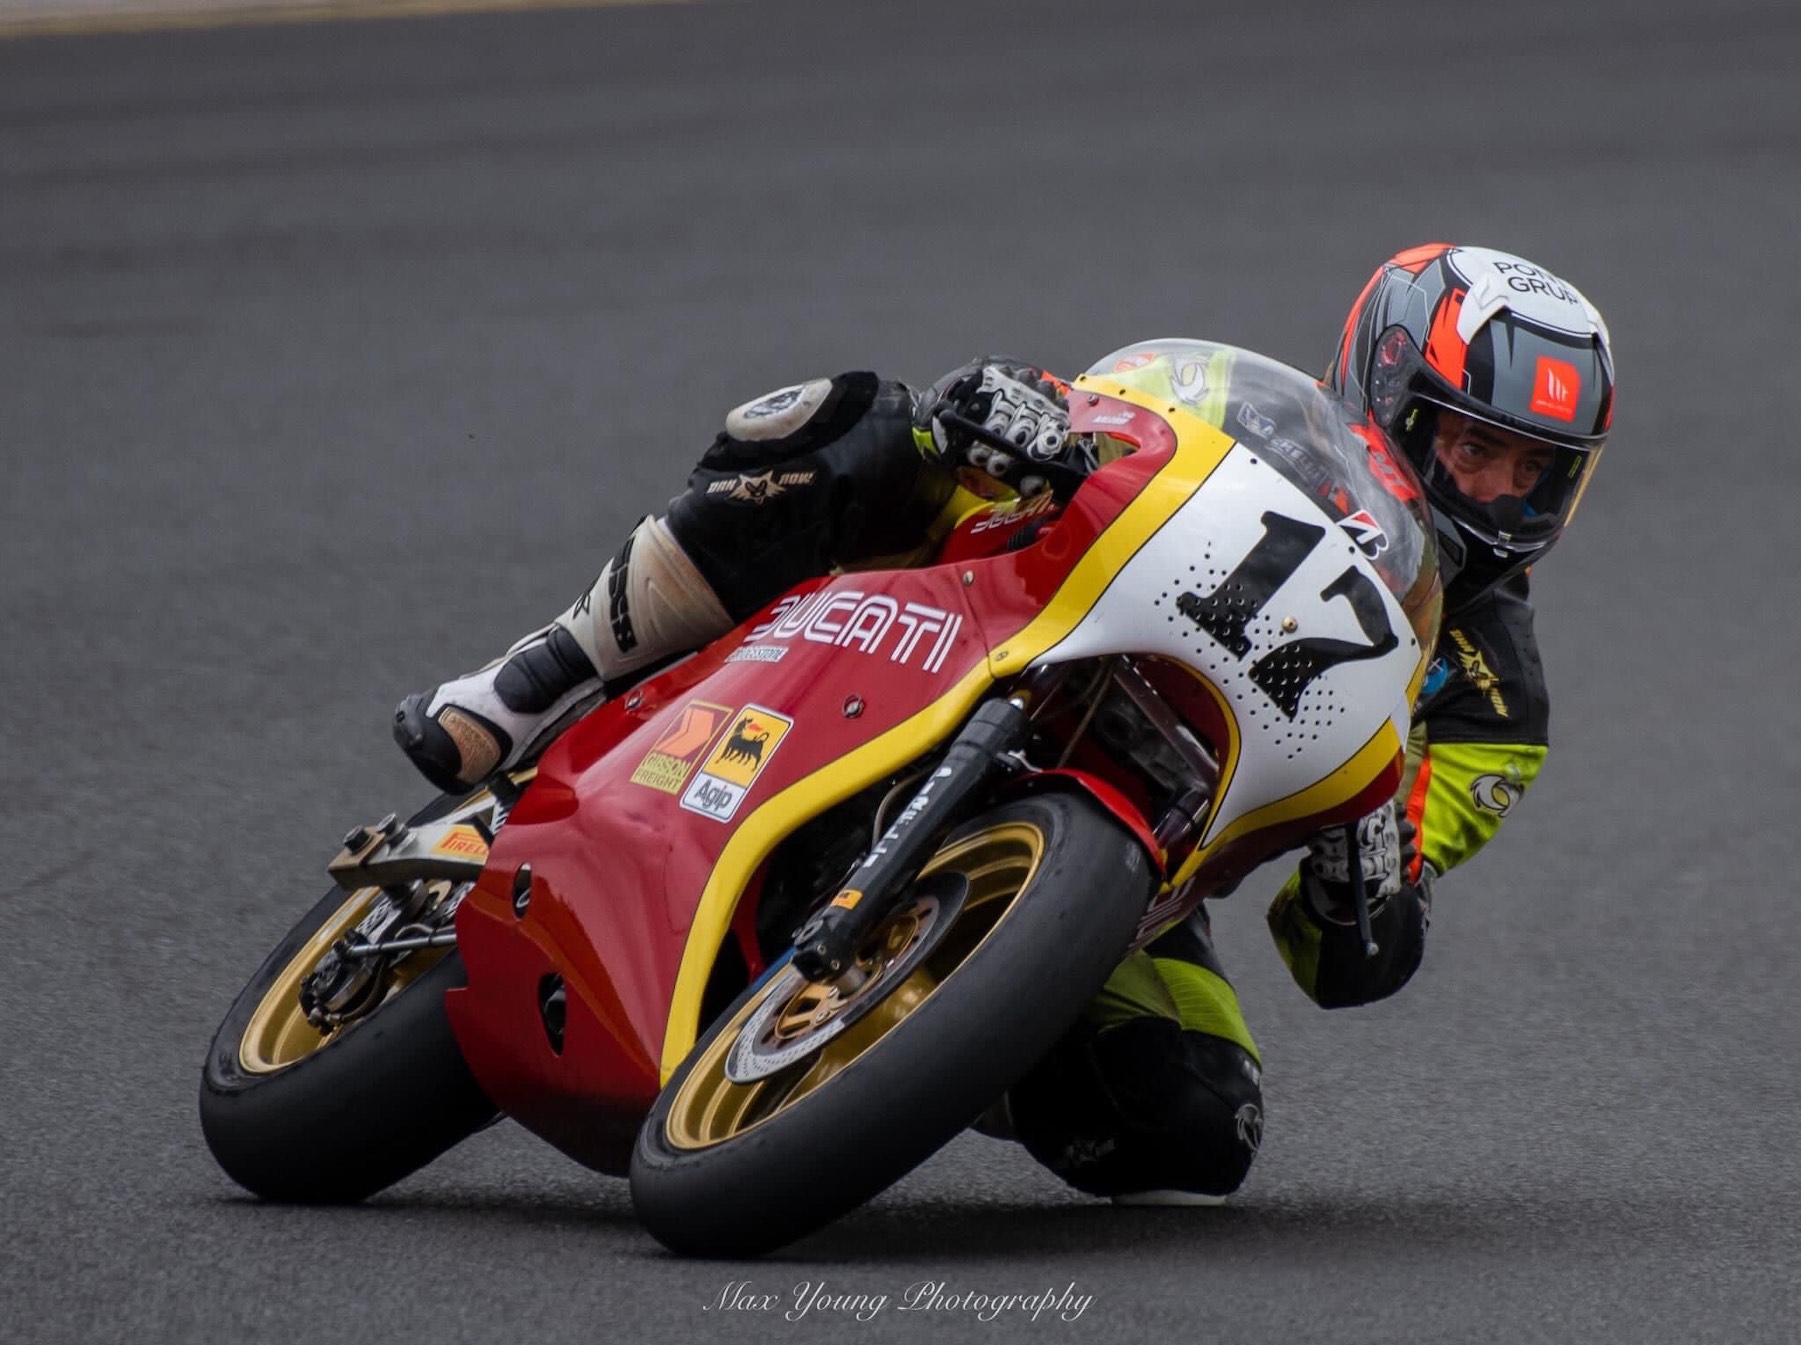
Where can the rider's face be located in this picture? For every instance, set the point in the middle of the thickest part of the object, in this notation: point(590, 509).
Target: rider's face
point(1486, 461)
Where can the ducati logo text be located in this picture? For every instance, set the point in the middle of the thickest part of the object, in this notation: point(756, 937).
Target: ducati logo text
point(909, 633)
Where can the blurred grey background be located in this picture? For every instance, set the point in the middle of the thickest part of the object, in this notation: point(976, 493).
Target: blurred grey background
point(335, 356)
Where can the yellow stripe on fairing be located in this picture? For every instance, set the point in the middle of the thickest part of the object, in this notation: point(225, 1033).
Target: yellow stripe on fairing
point(1200, 449)
point(1337, 789)
point(768, 825)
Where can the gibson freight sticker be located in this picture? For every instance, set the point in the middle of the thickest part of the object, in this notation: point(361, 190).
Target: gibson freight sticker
point(672, 757)
point(734, 764)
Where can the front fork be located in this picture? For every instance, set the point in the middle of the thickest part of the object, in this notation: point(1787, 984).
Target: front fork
point(827, 944)
point(991, 744)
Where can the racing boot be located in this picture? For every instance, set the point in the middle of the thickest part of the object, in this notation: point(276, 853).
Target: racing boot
point(461, 732)
point(649, 604)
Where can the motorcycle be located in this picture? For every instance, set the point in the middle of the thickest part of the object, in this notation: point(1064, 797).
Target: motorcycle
point(769, 928)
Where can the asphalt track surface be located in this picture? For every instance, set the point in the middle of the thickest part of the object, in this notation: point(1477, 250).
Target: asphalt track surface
point(332, 357)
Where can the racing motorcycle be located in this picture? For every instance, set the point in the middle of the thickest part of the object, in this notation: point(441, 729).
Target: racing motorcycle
point(772, 926)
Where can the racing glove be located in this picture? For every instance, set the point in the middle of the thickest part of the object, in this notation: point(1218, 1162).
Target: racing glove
point(1018, 402)
point(1313, 917)
point(1386, 851)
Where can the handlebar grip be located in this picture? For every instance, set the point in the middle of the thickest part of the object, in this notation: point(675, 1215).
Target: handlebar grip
point(1062, 479)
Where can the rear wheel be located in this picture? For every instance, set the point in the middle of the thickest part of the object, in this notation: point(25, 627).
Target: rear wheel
point(804, 1099)
point(296, 1113)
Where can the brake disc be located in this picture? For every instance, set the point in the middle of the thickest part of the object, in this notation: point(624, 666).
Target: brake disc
point(797, 1016)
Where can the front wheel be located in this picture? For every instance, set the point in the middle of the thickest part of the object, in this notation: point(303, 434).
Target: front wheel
point(1050, 892)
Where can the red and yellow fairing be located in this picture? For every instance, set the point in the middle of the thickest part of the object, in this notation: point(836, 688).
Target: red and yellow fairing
point(635, 886)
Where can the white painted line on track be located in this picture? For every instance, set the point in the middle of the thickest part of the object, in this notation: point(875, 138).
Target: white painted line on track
point(62, 18)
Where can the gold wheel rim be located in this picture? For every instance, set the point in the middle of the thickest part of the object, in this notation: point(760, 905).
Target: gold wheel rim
point(999, 863)
point(278, 1033)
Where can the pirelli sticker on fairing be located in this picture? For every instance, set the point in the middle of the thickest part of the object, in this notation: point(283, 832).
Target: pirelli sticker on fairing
point(671, 758)
point(735, 762)
point(462, 842)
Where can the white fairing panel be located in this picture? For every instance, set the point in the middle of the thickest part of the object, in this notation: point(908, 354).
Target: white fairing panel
point(1253, 585)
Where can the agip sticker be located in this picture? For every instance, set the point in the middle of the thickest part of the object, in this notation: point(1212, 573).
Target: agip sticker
point(735, 762)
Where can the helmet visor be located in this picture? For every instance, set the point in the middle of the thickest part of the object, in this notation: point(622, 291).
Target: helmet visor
point(1512, 489)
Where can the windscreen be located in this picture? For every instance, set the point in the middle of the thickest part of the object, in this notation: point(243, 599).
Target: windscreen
point(1348, 466)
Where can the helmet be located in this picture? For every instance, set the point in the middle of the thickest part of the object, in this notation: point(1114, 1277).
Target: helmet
point(1458, 352)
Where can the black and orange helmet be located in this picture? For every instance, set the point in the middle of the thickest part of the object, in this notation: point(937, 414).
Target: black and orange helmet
point(1494, 338)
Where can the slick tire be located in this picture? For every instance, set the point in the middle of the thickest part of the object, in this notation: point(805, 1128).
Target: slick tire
point(378, 1101)
point(977, 1031)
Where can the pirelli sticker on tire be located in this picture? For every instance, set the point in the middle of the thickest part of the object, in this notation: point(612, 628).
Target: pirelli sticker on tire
point(735, 762)
point(672, 757)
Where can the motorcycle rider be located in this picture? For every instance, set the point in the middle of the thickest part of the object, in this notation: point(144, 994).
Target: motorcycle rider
point(1495, 379)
